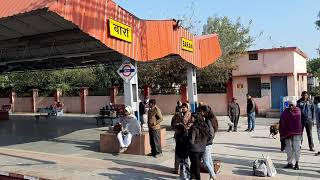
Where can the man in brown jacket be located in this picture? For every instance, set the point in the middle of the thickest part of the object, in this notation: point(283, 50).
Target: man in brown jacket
point(154, 120)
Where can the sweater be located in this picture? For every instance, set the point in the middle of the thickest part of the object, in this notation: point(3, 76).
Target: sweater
point(198, 143)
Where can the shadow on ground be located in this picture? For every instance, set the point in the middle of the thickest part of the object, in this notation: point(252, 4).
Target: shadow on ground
point(134, 174)
point(25, 129)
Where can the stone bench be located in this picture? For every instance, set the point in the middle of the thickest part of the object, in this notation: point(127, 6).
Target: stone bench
point(140, 145)
point(4, 115)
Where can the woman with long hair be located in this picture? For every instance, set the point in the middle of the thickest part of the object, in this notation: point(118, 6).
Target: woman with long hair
point(212, 122)
point(198, 133)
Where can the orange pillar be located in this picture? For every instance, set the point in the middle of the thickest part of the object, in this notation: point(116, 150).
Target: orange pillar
point(114, 93)
point(184, 93)
point(57, 95)
point(146, 91)
point(35, 94)
point(83, 99)
point(12, 97)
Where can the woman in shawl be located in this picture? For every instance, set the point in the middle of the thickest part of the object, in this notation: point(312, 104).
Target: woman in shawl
point(291, 133)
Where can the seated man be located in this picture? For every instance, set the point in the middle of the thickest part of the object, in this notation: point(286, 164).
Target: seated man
point(59, 105)
point(53, 106)
point(130, 127)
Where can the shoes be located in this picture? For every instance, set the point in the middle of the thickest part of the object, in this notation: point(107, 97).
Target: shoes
point(247, 130)
point(175, 171)
point(311, 149)
point(251, 130)
point(150, 154)
point(122, 150)
point(318, 153)
point(235, 130)
point(158, 155)
point(288, 166)
point(296, 167)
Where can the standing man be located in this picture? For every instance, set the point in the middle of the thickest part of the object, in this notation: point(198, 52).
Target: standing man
point(251, 112)
point(234, 114)
point(154, 120)
point(307, 116)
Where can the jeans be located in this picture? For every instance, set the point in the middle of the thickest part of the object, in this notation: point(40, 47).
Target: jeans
point(124, 140)
point(318, 130)
point(251, 120)
point(235, 120)
point(293, 148)
point(195, 158)
point(154, 135)
point(207, 159)
point(184, 169)
point(308, 125)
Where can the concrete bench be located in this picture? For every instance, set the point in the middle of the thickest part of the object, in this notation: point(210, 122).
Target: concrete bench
point(140, 145)
point(4, 115)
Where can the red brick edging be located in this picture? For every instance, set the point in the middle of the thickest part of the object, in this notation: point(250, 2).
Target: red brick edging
point(19, 176)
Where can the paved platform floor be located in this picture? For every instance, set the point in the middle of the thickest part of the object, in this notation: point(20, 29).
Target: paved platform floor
point(68, 148)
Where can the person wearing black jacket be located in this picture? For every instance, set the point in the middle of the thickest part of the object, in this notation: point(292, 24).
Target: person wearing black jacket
point(182, 150)
point(251, 112)
point(212, 123)
point(199, 133)
point(307, 116)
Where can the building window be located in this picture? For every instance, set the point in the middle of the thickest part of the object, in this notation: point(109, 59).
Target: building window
point(265, 86)
point(254, 87)
point(253, 56)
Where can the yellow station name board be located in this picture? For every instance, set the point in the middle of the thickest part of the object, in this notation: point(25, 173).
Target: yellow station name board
point(186, 44)
point(120, 31)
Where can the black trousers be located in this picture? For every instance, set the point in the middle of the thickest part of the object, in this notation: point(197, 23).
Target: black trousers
point(154, 135)
point(308, 125)
point(235, 120)
point(195, 158)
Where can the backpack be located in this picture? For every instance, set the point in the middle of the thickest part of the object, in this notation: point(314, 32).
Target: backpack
point(260, 168)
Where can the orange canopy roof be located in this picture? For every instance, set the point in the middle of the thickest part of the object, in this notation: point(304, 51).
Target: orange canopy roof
point(150, 39)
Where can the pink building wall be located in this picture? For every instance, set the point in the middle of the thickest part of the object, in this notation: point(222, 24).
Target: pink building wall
point(95, 103)
point(269, 63)
point(4, 101)
point(71, 104)
point(23, 104)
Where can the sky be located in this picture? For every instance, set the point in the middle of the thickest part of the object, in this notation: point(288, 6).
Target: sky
point(281, 22)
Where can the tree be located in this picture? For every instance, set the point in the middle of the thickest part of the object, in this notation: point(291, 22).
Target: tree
point(234, 38)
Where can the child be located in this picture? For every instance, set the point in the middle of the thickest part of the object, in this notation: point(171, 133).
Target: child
point(182, 150)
